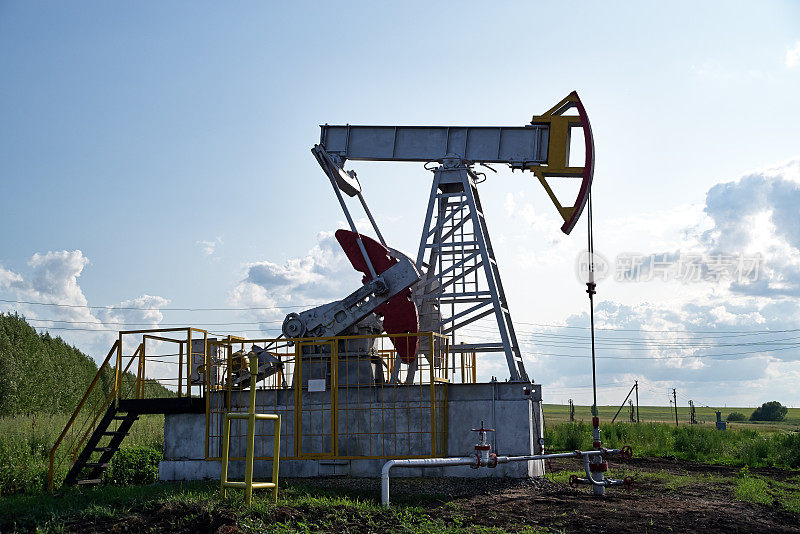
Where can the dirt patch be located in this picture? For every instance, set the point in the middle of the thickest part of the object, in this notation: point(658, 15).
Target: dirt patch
point(178, 518)
point(697, 506)
point(685, 510)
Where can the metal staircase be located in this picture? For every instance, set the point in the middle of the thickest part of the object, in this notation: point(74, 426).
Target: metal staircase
point(108, 410)
point(102, 453)
point(111, 430)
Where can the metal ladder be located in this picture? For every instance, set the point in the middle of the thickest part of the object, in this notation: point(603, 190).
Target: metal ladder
point(97, 465)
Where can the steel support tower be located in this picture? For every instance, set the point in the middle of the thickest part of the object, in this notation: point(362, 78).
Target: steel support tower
point(460, 278)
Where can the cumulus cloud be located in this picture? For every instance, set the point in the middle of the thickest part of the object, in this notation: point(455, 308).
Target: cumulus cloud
point(53, 278)
point(9, 279)
point(716, 337)
point(142, 311)
point(321, 275)
point(748, 240)
point(706, 348)
point(793, 56)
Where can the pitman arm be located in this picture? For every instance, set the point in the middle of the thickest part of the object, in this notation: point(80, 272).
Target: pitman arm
point(334, 318)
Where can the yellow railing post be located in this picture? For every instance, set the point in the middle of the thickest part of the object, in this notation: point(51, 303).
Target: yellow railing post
point(251, 416)
point(190, 354)
point(226, 440)
point(117, 376)
point(474, 369)
point(142, 360)
point(276, 453)
point(251, 432)
point(180, 369)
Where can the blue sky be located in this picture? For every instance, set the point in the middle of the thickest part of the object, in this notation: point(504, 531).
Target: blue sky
point(137, 138)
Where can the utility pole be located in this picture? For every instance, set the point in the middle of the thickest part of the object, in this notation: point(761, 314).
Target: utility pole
point(623, 403)
point(675, 402)
point(636, 384)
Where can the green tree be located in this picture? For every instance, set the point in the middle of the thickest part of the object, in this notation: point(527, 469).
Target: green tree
point(43, 374)
point(770, 411)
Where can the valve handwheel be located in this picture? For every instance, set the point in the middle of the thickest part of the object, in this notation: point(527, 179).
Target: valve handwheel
point(626, 453)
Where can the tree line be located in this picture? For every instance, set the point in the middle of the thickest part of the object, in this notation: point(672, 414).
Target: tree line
point(44, 374)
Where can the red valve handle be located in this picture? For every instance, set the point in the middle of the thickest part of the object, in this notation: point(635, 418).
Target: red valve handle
point(626, 453)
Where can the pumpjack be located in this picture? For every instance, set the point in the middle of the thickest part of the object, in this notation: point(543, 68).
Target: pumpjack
point(455, 279)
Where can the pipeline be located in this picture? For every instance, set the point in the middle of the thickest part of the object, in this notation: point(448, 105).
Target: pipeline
point(490, 460)
point(419, 462)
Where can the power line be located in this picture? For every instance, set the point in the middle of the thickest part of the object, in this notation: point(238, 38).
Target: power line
point(652, 330)
point(544, 325)
point(667, 358)
point(153, 308)
point(244, 323)
point(755, 353)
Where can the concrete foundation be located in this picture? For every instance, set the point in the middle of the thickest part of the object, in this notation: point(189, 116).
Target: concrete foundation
point(513, 409)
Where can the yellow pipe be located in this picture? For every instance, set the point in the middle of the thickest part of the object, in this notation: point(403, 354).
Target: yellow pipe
point(251, 433)
point(225, 455)
point(189, 362)
point(276, 454)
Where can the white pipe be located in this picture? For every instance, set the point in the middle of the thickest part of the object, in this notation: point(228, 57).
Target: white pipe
point(551, 456)
point(602, 482)
point(474, 461)
point(418, 462)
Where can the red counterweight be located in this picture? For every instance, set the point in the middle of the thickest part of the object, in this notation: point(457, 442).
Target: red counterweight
point(399, 313)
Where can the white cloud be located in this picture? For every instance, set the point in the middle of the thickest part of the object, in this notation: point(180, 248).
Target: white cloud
point(9, 278)
point(697, 337)
point(53, 278)
point(793, 56)
point(142, 311)
point(323, 274)
point(209, 247)
point(699, 347)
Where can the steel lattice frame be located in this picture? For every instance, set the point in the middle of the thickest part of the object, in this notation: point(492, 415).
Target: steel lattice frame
point(461, 281)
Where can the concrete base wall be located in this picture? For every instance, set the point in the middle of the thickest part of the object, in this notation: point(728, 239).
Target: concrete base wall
point(506, 407)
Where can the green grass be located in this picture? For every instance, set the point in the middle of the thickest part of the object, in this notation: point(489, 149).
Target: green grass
point(763, 490)
point(25, 443)
point(559, 413)
point(198, 506)
point(742, 447)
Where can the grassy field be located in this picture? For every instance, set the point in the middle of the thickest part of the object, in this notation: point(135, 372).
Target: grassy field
point(750, 476)
point(559, 413)
point(737, 447)
point(25, 443)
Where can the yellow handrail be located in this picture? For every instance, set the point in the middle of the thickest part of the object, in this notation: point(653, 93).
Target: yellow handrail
point(51, 470)
point(77, 431)
point(95, 412)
